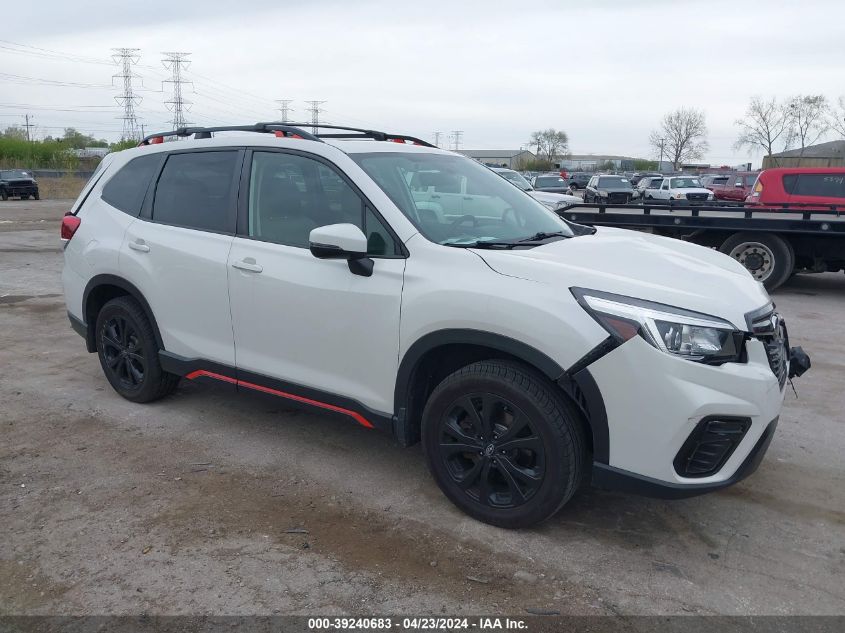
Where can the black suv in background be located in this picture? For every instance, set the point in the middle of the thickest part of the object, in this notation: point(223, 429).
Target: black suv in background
point(579, 180)
point(610, 189)
point(18, 182)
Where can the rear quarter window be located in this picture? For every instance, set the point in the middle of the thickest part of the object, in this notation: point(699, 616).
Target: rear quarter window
point(823, 185)
point(126, 189)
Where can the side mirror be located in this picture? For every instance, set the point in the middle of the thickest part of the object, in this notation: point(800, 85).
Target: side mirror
point(342, 241)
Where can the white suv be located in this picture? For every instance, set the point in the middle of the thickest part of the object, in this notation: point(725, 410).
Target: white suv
point(677, 188)
point(415, 291)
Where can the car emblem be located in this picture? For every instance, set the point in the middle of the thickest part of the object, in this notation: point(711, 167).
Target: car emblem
point(488, 451)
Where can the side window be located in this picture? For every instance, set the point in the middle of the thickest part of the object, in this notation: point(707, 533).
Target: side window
point(125, 190)
point(290, 195)
point(195, 191)
point(789, 182)
point(825, 185)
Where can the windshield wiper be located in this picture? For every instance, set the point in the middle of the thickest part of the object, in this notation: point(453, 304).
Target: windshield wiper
point(543, 236)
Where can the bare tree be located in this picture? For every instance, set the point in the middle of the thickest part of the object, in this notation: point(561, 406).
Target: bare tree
point(550, 143)
point(837, 118)
point(682, 135)
point(765, 124)
point(808, 115)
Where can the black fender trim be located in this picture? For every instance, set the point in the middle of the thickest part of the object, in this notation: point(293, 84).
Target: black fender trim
point(299, 396)
point(584, 390)
point(120, 282)
point(78, 326)
point(608, 477)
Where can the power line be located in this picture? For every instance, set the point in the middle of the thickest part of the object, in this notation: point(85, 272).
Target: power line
point(284, 108)
point(126, 58)
point(176, 62)
point(315, 114)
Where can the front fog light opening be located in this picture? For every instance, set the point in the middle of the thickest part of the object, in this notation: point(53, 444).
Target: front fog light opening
point(710, 445)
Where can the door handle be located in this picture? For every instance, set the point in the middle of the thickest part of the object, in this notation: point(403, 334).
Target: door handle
point(248, 264)
point(140, 246)
point(468, 198)
point(435, 197)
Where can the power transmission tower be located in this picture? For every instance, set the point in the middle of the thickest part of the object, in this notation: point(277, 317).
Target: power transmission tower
point(177, 62)
point(315, 114)
point(126, 58)
point(437, 138)
point(456, 138)
point(284, 108)
point(28, 126)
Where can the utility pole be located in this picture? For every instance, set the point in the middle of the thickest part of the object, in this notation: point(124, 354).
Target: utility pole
point(315, 114)
point(456, 138)
point(176, 62)
point(28, 125)
point(284, 108)
point(126, 58)
point(143, 133)
point(660, 162)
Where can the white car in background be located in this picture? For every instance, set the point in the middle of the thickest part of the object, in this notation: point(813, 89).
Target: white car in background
point(677, 188)
point(550, 200)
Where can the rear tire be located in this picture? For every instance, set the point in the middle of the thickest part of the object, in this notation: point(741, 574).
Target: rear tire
point(4, 195)
point(769, 258)
point(525, 451)
point(128, 352)
point(37, 195)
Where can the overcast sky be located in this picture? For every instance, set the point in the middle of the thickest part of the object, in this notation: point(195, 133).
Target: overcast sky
point(603, 71)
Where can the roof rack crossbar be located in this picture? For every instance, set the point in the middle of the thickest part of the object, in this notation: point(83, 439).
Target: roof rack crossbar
point(289, 129)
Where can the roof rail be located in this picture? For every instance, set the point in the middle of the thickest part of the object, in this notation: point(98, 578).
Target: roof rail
point(292, 130)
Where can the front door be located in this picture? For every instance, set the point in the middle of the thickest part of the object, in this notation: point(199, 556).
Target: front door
point(307, 322)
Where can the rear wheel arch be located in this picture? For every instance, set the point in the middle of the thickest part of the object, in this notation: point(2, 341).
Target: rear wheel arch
point(436, 355)
point(100, 290)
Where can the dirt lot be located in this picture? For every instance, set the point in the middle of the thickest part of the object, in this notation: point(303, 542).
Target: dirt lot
point(212, 502)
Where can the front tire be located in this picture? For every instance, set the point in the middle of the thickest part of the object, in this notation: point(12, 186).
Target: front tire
point(502, 444)
point(128, 352)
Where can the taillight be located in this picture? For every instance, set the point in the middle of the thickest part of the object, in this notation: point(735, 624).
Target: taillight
point(69, 225)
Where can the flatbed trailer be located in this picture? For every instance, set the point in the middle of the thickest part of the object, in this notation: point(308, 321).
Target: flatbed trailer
point(772, 242)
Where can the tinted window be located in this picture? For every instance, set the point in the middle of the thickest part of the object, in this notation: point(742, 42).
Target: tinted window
point(614, 182)
point(825, 185)
point(750, 180)
point(789, 181)
point(125, 190)
point(290, 195)
point(195, 191)
point(549, 181)
point(15, 173)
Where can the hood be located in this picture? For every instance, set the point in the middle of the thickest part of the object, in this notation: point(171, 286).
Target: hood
point(550, 198)
point(691, 189)
point(615, 189)
point(639, 265)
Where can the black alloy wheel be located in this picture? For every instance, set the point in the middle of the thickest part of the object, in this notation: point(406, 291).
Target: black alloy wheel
point(491, 450)
point(128, 352)
point(122, 352)
point(503, 443)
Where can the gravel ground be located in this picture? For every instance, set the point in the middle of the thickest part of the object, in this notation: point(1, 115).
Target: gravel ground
point(211, 502)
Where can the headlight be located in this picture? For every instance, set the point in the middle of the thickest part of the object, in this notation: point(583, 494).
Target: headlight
point(603, 194)
point(710, 196)
point(560, 204)
point(690, 335)
point(678, 196)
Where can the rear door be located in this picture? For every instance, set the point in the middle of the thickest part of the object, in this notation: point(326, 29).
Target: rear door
point(176, 252)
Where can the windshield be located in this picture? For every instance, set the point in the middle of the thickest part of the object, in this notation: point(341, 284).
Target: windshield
point(549, 181)
point(614, 182)
point(15, 173)
point(454, 200)
point(516, 179)
point(684, 183)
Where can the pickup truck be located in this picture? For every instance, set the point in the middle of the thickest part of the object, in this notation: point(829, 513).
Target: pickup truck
point(675, 189)
point(18, 182)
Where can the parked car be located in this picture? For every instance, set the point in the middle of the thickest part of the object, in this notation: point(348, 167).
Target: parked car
point(637, 177)
point(551, 200)
point(579, 180)
point(18, 183)
point(799, 185)
point(412, 290)
point(686, 188)
point(609, 189)
point(645, 186)
point(550, 182)
point(734, 187)
point(713, 179)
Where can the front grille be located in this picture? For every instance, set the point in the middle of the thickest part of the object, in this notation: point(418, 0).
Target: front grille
point(709, 446)
point(618, 198)
point(770, 329)
point(696, 196)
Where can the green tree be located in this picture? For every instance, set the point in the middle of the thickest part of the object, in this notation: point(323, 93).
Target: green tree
point(77, 140)
point(14, 132)
point(550, 143)
point(642, 164)
point(124, 144)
